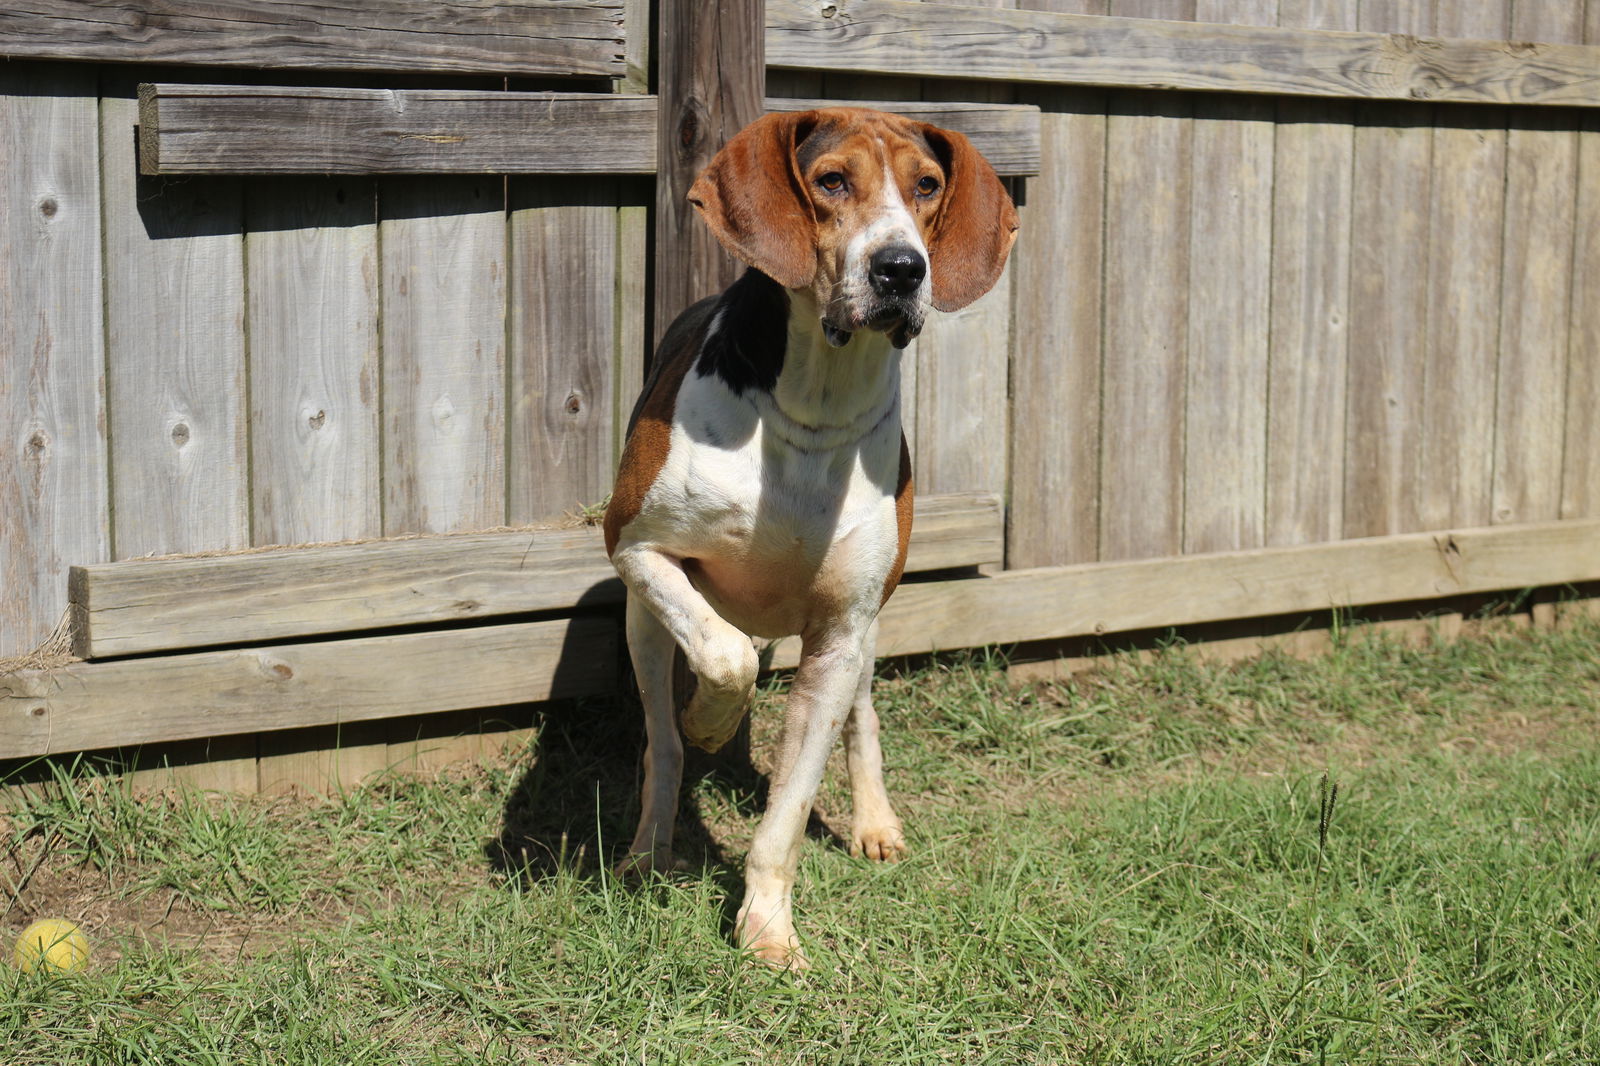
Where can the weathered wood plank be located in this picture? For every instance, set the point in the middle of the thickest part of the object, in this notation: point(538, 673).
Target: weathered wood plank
point(896, 36)
point(443, 257)
point(1536, 298)
point(53, 491)
point(1317, 14)
point(177, 697)
point(1312, 199)
point(1099, 598)
point(1388, 317)
point(255, 129)
point(1056, 349)
point(711, 85)
point(1225, 393)
point(1580, 472)
point(961, 406)
point(1146, 325)
point(563, 347)
point(175, 348)
point(410, 36)
point(1007, 134)
point(165, 604)
point(1465, 228)
point(312, 258)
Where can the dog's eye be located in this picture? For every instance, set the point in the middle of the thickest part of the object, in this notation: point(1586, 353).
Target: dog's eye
point(927, 186)
point(832, 181)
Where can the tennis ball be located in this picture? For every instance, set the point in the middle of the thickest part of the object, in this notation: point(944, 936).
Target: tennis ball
point(55, 943)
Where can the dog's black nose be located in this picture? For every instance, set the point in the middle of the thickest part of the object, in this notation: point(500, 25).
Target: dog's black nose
point(897, 270)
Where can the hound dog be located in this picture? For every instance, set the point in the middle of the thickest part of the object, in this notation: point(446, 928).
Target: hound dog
point(765, 489)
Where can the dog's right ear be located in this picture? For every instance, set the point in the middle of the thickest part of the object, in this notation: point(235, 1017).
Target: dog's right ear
point(752, 198)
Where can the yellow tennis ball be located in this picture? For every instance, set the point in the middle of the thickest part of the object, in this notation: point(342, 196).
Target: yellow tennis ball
point(55, 943)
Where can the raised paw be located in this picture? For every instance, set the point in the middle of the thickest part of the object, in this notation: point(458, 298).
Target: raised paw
point(713, 713)
point(881, 843)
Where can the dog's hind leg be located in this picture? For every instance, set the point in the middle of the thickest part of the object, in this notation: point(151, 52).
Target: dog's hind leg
point(654, 652)
point(875, 830)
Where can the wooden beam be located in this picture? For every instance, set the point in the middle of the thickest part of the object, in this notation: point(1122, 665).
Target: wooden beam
point(253, 129)
point(1006, 134)
point(1097, 598)
point(258, 129)
point(940, 41)
point(711, 85)
point(151, 605)
point(178, 697)
point(543, 37)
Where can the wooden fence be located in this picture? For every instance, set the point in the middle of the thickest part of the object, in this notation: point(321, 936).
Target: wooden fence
point(1300, 317)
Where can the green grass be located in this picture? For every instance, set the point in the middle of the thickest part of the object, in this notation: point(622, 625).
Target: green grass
point(1137, 866)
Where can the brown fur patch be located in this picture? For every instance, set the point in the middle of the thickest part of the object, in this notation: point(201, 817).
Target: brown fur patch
point(904, 492)
point(651, 434)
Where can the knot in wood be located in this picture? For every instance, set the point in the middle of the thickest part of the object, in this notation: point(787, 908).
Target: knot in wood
point(574, 404)
point(318, 420)
point(48, 207)
point(37, 443)
point(180, 434)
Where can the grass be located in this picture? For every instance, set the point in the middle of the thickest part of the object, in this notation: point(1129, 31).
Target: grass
point(1146, 864)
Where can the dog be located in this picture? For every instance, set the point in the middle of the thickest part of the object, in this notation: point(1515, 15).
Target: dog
point(765, 486)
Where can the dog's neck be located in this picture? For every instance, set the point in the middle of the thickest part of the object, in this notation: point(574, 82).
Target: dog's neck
point(768, 345)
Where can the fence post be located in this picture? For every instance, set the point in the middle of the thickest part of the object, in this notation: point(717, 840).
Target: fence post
point(711, 64)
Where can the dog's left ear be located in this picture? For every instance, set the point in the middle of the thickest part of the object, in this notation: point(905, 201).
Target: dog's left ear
point(752, 198)
point(976, 225)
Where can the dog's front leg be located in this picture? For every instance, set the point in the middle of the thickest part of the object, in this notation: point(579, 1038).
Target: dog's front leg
point(722, 658)
point(875, 829)
point(819, 701)
point(652, 649)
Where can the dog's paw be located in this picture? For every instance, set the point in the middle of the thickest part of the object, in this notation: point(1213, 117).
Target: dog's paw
point(768, 944)
point(881, 843)
point(721, 693)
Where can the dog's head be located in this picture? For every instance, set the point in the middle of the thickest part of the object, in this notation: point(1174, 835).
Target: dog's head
point(878, 216)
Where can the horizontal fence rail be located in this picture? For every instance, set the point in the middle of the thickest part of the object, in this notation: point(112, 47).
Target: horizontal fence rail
point(911, 39)
point(149, 605)
point(250, 129)
point(542, 37)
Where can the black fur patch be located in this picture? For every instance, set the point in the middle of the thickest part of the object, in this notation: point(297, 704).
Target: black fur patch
point(752, 330)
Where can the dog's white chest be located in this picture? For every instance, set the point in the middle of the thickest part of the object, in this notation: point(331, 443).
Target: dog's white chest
point(774, 530)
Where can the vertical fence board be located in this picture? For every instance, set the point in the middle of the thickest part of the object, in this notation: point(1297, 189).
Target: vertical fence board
point(633, 296)
point(564, 273)
point(1388, 313)
point(1580, 475)
point(1146, 325)
point(312, 261)
point(443, 287)
point(1225, 422)
point(1055, 369)
point(1317, 14)
point(53, 505)
point(1176, 10)
point(1541, 187)
point(175, 348)
point(1310, 322)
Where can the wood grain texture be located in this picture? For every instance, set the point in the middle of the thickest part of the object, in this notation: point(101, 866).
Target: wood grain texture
point(176, 697)
point(443, 268)
point(255, 129)
point(1310, 292)
point(1388, 316)
point(961, 396)
point(439, 36)
point(1225, 392)
point(170, 604)
point(312, 259)
point(1461, 336)
point(711, 85)
point(896, 36)
point(175, 347)
point(1006, 133)
point(53, 491)
point(1535, 313)
point(1100, 598)
point(1580, 472)
point(1146, 325)
point(1317, 14)
point(563, 347)
point(1056, 345)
